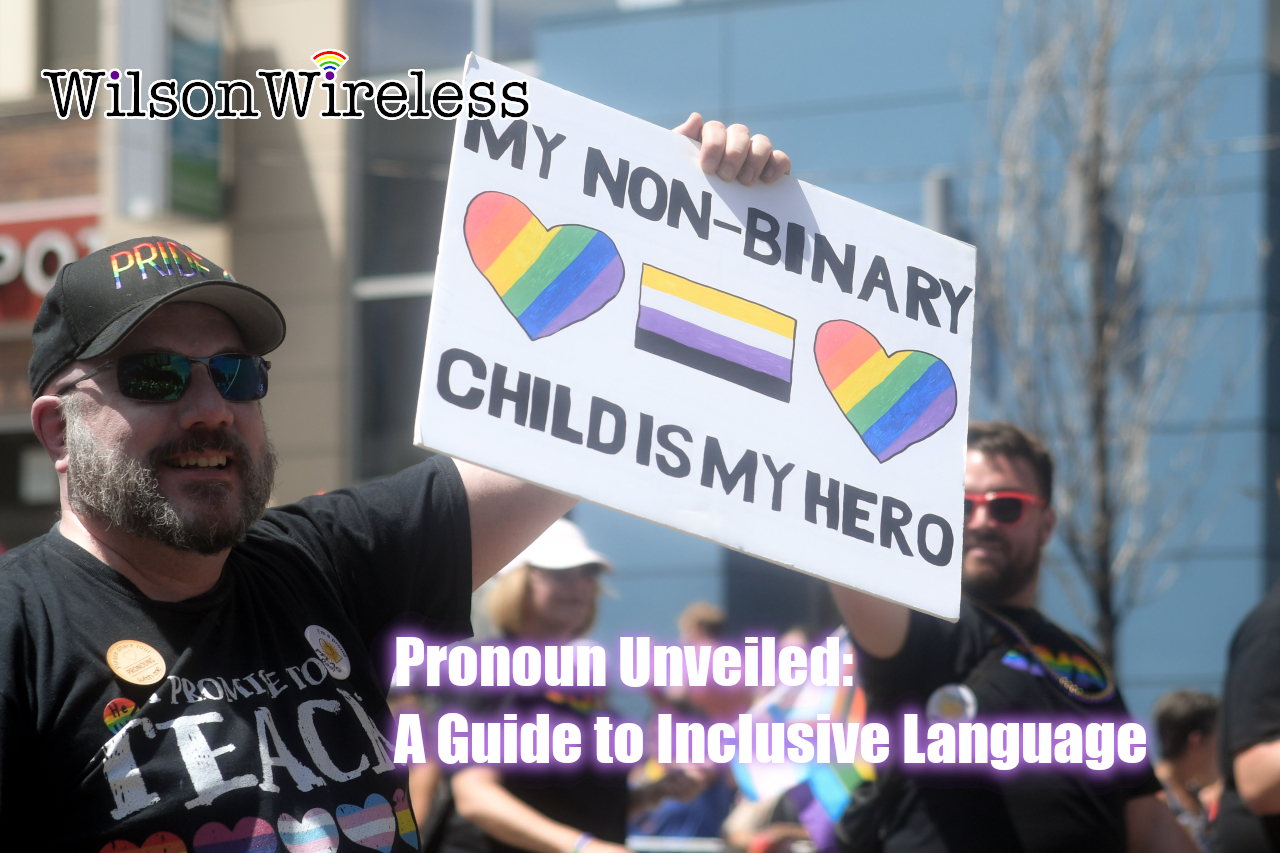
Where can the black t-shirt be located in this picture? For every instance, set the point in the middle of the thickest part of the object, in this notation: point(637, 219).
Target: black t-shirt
point(1250, 716)
point(1041, 808)
point(268, 723)
point(586, 795)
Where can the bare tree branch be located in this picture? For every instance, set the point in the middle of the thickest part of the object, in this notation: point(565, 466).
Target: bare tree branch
point(1093, 161)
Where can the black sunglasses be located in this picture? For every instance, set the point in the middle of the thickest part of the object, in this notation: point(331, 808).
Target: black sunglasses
point(163, 377)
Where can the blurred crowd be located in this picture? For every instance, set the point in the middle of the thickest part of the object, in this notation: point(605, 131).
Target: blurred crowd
point(1000, 656)
point(549, 595)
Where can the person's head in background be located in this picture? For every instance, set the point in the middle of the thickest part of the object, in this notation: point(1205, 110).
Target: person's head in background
point(701, 623)
point(1009, 518)
point(1187, 725)
point(796, 635)
point(550, 590)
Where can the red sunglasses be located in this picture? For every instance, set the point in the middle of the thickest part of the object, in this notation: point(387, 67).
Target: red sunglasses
point(1005, 507)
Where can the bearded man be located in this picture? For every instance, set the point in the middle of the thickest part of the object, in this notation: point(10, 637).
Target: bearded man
point(1002, 661)
point(181, 669)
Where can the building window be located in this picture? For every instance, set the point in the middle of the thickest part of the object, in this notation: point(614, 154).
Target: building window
point(396, 35)
point(70, 33)
point(405, 169)
point(393, 331)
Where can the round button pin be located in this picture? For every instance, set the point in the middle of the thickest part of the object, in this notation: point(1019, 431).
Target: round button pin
point(952, 703)
point(136, 662)
point(329, 651)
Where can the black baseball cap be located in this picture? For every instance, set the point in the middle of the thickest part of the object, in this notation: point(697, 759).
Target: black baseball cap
point(96, 301)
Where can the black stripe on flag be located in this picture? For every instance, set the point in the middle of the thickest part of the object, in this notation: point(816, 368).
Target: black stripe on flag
point(761, 383)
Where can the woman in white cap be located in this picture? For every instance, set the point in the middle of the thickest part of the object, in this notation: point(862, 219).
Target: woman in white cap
point(546, 595)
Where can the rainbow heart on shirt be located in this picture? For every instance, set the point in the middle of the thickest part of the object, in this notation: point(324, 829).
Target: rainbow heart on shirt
point(548, 278)
point(405, 824)
point(892, 401)
point(251, 835)
point(372, 826)
point(315, 833)
point(160, 842)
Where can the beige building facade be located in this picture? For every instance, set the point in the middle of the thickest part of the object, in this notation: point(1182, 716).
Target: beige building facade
point(283, 226)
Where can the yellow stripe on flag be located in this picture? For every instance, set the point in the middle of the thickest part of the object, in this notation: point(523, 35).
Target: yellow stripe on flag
point(718, 301)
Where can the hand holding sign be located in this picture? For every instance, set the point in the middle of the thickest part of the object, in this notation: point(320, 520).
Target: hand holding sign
point(679, 339)
point(733, 152)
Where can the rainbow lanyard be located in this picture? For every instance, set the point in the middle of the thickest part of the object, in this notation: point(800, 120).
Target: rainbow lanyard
point(1075, 691)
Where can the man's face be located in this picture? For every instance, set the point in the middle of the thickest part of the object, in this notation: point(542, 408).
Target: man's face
point(1001, 560)
point(193, 474)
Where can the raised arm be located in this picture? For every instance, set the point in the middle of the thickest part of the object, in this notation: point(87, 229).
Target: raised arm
point(879, 627)
point(1257, 771)
point(506, 515)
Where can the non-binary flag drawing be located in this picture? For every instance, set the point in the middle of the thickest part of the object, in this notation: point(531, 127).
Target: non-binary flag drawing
point(548, 278)
point(715, 332)
point(893, 401)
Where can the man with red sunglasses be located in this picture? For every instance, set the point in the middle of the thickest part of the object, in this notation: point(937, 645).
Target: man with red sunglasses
point(1002, 661)
point(181, 669)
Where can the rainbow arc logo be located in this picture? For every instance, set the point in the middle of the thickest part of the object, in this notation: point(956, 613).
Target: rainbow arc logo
point(329, 61)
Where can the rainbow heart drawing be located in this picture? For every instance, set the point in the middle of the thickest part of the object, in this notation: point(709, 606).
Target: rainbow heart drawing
point(315, 833)
point(251, 835)
point(548, 278)
point(372, 826)
point(892, 401)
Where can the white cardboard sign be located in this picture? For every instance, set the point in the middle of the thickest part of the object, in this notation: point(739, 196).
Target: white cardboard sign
point(774, 368)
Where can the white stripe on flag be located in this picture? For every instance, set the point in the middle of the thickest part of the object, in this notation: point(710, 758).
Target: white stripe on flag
point(716, 322)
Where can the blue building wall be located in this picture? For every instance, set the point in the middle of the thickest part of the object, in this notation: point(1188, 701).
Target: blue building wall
point(869, 97)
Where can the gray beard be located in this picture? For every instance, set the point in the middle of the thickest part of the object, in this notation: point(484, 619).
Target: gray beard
point(106, 484)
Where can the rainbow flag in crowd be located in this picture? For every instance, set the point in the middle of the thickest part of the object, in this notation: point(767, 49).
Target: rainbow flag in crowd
point(819, 791)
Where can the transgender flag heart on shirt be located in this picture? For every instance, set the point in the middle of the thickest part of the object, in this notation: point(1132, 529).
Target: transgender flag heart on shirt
point(315, 833)
point(372, 826)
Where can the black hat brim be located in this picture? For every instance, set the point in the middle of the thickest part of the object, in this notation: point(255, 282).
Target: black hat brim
point(258, 319)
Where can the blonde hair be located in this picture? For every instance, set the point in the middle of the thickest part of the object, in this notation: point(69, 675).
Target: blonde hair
point(701, 617)
point(508, 600)
point(505, 601)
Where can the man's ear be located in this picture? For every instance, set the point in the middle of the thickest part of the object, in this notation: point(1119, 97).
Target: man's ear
point(1048, 520)
point(51, 429)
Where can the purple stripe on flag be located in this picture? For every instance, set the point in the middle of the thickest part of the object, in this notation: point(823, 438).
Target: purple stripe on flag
point(813, 817)
point(684, 332)
point(601, 289)
point(937, 414)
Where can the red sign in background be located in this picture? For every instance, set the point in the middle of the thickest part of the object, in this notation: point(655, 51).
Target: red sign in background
point(36, 239)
